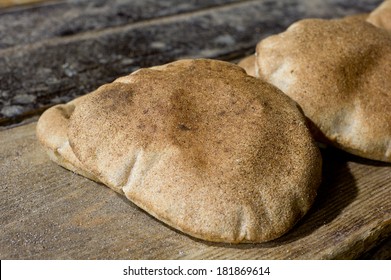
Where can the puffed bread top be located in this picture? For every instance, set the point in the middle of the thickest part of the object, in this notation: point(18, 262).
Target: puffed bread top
point(201, 146)
point(339, 72)
point(381, 16)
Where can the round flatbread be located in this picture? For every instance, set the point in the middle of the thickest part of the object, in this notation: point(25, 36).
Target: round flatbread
point(248, 64)
point(201, 146)
point(339, 72)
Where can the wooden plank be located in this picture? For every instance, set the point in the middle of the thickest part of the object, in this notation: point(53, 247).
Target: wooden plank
point(380, 252)
point(67, 17)
point(51, 213)
point(38, 75)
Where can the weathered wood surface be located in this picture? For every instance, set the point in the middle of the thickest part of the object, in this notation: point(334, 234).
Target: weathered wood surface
point(55, 69)
point(67, 17)
point(48, 212)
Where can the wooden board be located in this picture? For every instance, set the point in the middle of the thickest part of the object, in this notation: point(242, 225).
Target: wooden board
point(48, 212)
point(60, 18)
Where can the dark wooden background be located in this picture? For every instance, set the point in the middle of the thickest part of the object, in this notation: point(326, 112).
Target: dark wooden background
point(53, 51)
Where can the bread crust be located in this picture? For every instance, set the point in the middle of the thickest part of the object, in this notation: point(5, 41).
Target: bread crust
point(51, 132)
point(249, 65)
point(201, 146)
point(339, 72)
point(381, 16)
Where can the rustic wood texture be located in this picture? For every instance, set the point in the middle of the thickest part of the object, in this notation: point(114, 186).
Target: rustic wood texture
point(67, 17)
point(51, 213)
point(79, 54)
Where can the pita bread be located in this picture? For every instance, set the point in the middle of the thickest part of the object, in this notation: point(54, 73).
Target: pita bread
point(52, 134)
point(339, 72)
point(249, 62)
point(249, 65)
point(381, 16)
point(199, 145)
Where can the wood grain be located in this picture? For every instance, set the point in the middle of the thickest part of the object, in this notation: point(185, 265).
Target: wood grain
point(51, 213)
point(67, 17)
